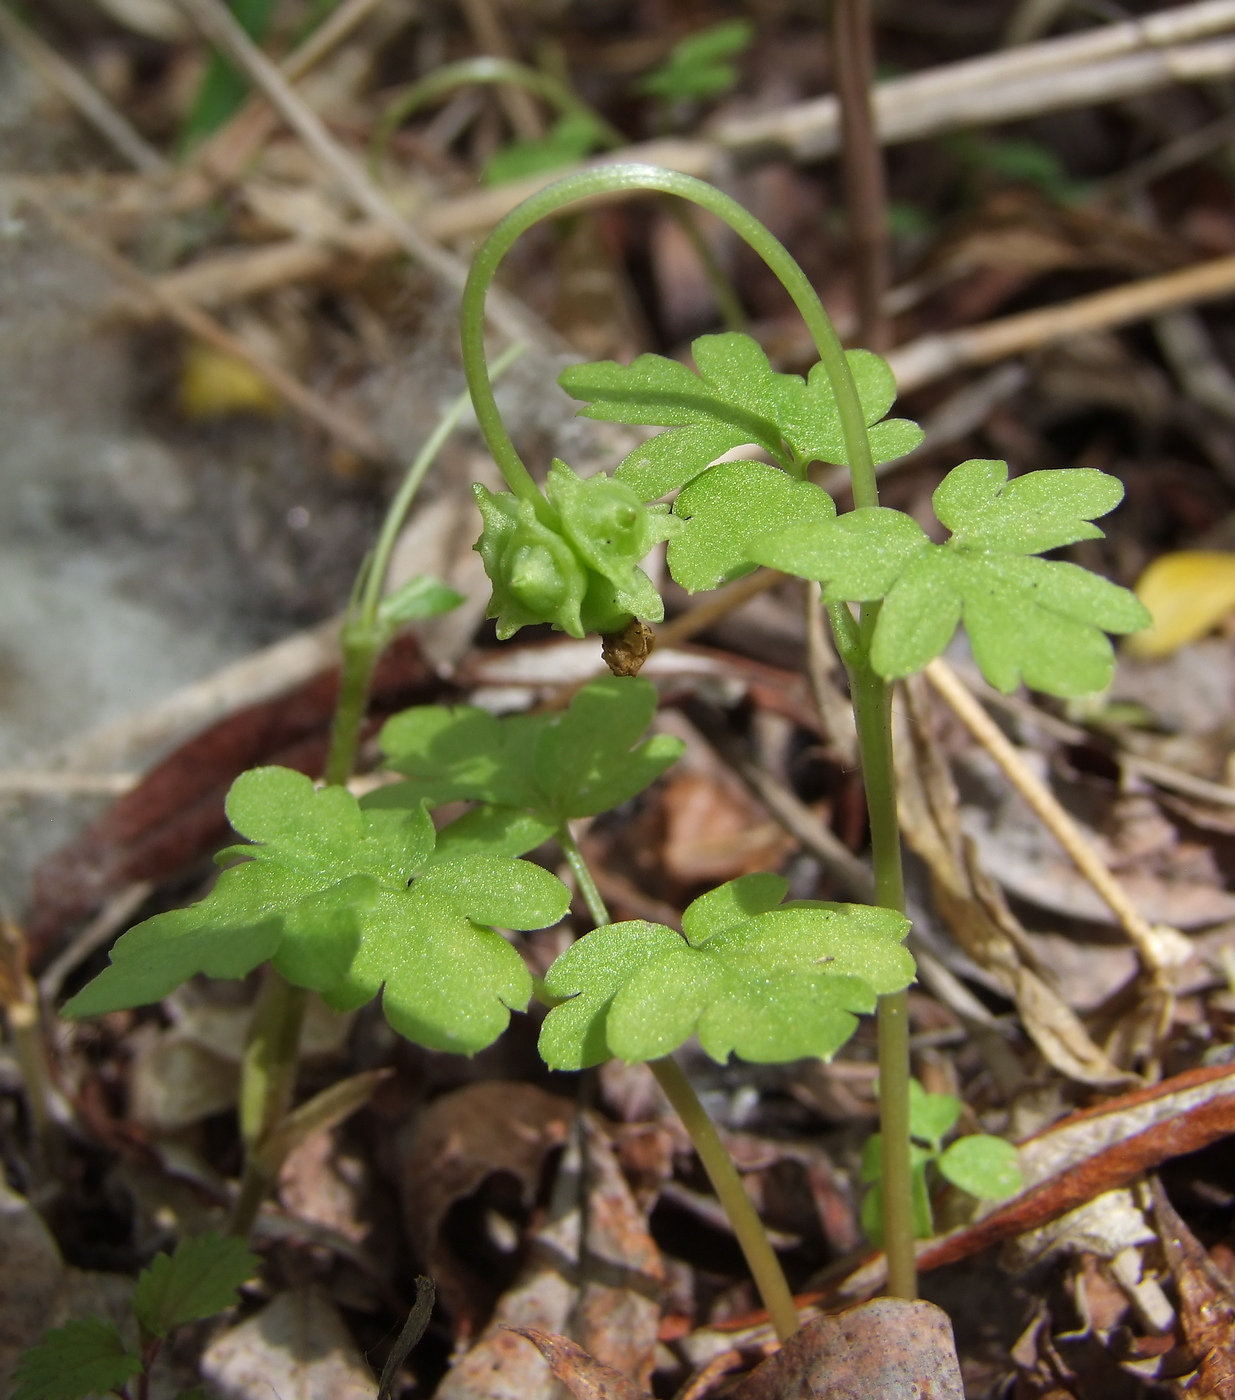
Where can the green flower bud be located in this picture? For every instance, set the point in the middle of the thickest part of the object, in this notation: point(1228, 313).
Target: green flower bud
point(575, 563)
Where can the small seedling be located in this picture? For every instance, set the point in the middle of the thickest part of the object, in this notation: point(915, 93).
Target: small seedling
point(979, 1164)
point(698, 66)
point(90, 1357)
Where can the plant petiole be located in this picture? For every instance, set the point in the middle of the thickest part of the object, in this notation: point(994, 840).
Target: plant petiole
point(748, 1229)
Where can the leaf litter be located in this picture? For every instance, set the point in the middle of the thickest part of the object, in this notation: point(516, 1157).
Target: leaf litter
point(532, 1206)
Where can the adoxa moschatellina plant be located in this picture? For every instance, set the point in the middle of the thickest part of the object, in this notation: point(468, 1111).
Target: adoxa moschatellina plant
point(570, 557)
point(358, 899)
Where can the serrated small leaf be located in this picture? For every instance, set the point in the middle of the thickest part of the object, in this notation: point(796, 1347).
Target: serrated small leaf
point(985, 1166)
point(779, 986)
point(931, 1116)
point(730, 506)
point(197, 1281)
point(736, 398)
point(419, 598)
point(68, 1363)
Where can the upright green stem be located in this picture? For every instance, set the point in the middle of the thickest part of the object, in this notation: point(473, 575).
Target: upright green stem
point(364, 636)
point(747, 1227)
point(267, 1083)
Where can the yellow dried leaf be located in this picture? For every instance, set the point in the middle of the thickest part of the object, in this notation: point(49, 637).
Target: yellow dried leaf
point(1188, 593)
point(213, 385)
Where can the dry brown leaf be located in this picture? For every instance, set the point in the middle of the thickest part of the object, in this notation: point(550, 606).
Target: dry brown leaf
point(716, 832)
point(462, 1139)
point(584, 1376)
point(973, 906)
point(607, 1298)
point(1206, 1301)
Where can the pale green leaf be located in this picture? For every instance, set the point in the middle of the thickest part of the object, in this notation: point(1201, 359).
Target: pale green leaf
point(782, 984)
point(732, 505)
point(871, 1215)
point(493, 831)
point(985, 1166)
point(419, 598)
point(81, 1358)
point(731, 904)
point(457, 754)
point(696, 66)
point(931, 1116)
point(197, 1281)
point(858, 555)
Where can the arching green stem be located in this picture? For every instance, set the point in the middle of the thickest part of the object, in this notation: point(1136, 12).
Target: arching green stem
point(486, 72)
point(619, 179)
point(747, 1227)
point(870, 693)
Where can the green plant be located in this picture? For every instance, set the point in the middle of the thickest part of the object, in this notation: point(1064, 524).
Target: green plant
point(355, 898)
point(698, 66)
point(979, 1164)
point(90, 1356)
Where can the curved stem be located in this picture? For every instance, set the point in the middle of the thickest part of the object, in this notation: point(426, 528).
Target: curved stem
point(618, 179)
point(486, 71)
point(760, 1257)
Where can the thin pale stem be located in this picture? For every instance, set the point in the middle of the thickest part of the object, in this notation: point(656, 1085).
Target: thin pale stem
point(724, 293)
point(760, 1257)
point(872, 703)
point(267, 1083)
point(747, 1227)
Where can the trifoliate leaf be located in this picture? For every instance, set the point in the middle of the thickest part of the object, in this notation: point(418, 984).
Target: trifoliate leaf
point(81, 1358)
point(729, 506)
point(572, 763)
point(735, 398)
point(1188, 593)
point(344, 901)
point(931, 1116)
point(779, 985)
point(199, 1280)
point(985, 1166)
point(1028, 619)
point(418, 598)
point(696, 66)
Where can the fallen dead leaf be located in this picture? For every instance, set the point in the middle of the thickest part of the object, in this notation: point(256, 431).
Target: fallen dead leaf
point(1206, 1301)
point(716, 832)
point(1188, 593)
point(584, 1376)
point(459, 1141)
point(973, 907)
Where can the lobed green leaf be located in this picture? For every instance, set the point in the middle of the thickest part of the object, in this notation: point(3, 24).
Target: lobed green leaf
point(68, 1363)
point(931, 1116)
point(777, 985)
point(732, 505)
point(198, 1280)
point(347, 901)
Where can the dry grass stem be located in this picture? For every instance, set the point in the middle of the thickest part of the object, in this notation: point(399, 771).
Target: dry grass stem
point(720, 604)
point(115, 915)
point(491, 36)
point(110, 123)
point(1154, 953)
point(932, 357)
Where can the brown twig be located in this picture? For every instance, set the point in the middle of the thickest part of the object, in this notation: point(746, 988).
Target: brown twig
point(720, 604)
point(932, 357)
point(853, 67)
point(220, 26)
point(110, 123)
point(491, 36)
point(338, 423)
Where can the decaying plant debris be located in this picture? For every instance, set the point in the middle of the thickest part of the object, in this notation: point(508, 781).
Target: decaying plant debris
point(224, 345)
